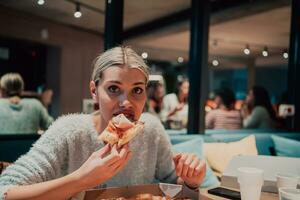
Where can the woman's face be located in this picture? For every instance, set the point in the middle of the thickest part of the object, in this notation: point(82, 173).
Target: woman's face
point(121, 90)
point(184, 88)
point(160, 92)
point(218, 101)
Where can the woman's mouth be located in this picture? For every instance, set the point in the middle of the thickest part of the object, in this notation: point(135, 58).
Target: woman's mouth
point(128, 115)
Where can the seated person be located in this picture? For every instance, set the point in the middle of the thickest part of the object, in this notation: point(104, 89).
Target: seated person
point(20, 115)
point(225, 116)
point(69, 158)
point(175, 106)
point(46, 97)
point(258, 111)
point(156, 92)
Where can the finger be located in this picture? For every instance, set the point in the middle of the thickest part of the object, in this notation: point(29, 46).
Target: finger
point(122, 146)
point(201, 167)
point(176, 158)
point(104, 150)
point(179, 166)
point(114, 150)
point(193, 165)
point(123, 151)
point(110, 159)
point(117, 166)
point(186, 165)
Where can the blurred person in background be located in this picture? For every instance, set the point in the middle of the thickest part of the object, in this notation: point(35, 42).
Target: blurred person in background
point(155, 92)
point(46, 96)
point(20, 115)
point(175, 106)
point(225, 116)
point(258, 111)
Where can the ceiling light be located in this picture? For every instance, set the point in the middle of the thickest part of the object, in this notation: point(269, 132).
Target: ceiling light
point(77, 13)
point(265, 52)
point(145, 55)
point(247, 50)
point(180, 59)
point(41, 2)
point(285, 54)
point(215, 62)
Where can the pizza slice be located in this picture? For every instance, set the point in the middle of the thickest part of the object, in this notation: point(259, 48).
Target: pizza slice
point(120, 130)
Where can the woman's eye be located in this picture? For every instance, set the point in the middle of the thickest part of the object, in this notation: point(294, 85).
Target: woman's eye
point(113, 89)
point(138, 90)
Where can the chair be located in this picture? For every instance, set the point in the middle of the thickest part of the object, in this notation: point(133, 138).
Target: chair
point(13, 146)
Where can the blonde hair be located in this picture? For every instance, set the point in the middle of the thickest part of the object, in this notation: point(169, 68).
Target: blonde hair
point(118, 56)
point(12, 84)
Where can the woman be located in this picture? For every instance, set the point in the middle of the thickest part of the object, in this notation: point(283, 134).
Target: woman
point(175, 106)
point(69, 159)
point(225, 116)
point(258, 111)
point(20, 115)
point(156, 92)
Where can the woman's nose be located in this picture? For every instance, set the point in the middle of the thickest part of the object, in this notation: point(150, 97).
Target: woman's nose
point(124, 101)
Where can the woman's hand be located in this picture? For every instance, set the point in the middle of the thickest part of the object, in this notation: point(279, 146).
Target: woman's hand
point(245, 111)
point(190, 169)
point(102, 165)
point(179, 107)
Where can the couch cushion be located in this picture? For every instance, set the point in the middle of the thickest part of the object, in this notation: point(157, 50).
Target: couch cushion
point(195, 146)
point(219, 154)
point(263, 141)
point(286, 147)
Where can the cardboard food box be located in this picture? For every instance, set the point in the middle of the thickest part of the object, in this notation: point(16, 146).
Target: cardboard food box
point(161, 189)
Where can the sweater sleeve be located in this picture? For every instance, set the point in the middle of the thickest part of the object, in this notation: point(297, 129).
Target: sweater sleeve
point(45, 161)
point(165, 168)
point(253, 120)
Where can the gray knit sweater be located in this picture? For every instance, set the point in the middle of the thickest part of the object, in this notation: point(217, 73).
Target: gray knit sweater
point(68, 143)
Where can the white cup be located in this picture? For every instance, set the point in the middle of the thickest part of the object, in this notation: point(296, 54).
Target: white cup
point(289, 194)
point(251, 180)
point(287, 180)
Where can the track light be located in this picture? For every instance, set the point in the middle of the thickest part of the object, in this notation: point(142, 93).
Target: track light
point(285, 54)
point(247, 50)
point(41, 2)
point(180, 59)
point(145, 55)
point(265, 52)
point(215, 62)
point(77, 13)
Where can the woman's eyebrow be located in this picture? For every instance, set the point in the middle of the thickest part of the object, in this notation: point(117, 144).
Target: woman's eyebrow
point(120, 83)
point(113, 81)
point(139, 83)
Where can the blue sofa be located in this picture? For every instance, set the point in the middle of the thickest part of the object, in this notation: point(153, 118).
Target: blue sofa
point(264, 142)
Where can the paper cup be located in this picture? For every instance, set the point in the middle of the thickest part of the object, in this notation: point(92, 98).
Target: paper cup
point(251, 181)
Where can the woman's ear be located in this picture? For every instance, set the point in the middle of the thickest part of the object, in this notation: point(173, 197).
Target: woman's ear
point(93, 91)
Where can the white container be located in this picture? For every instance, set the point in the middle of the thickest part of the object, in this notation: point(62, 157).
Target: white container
point(287, 180)
point(289, 194)
point(250, 181)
